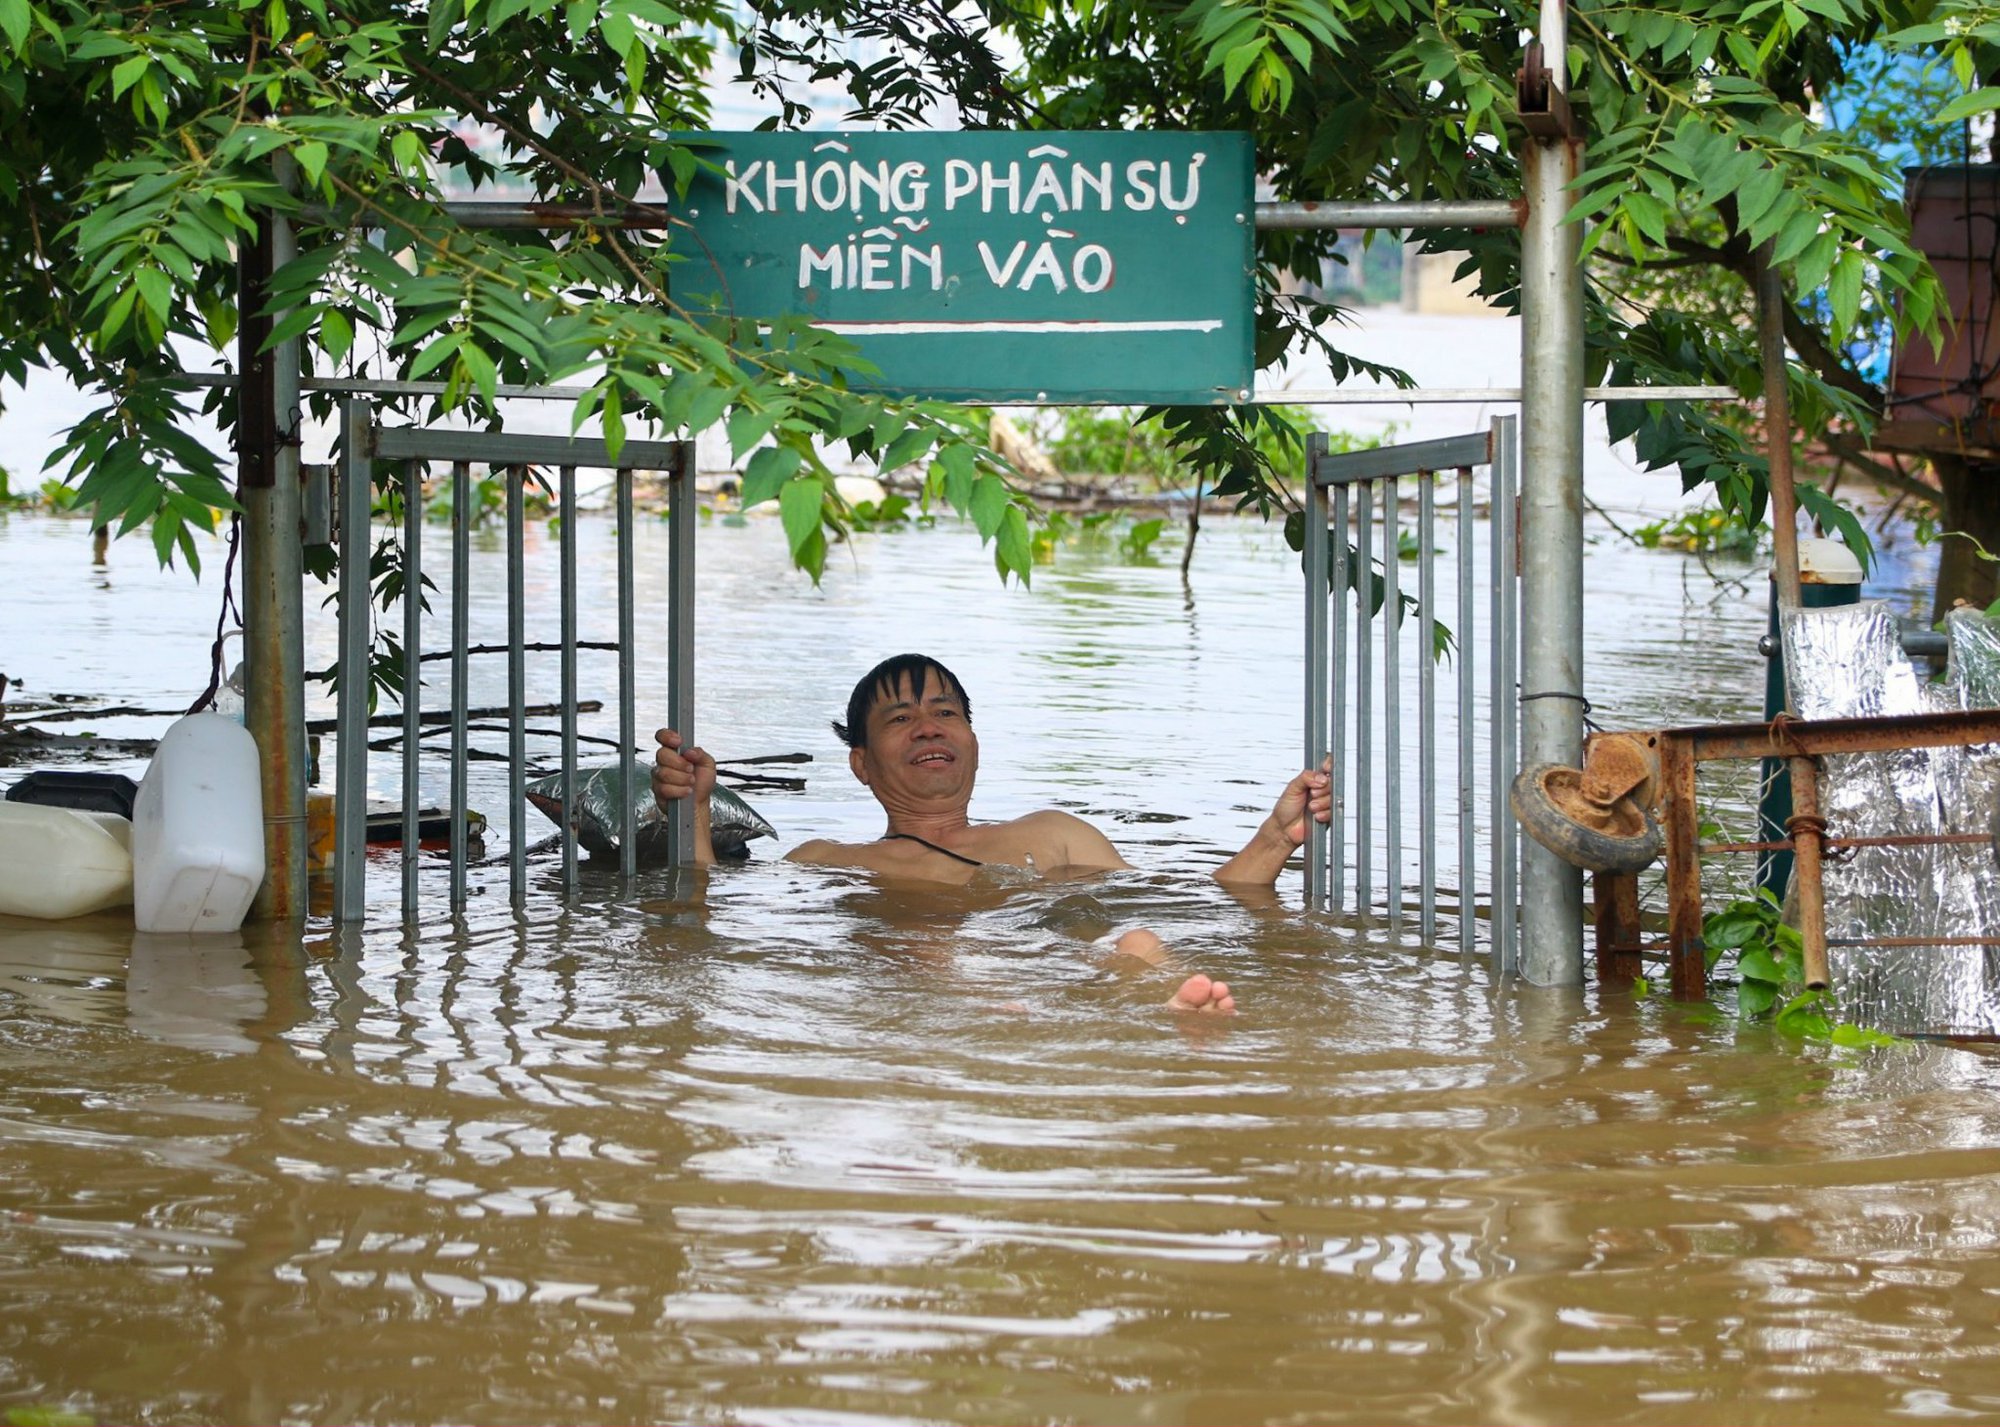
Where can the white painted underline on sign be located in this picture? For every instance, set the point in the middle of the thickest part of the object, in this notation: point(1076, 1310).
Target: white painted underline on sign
point(924, 329)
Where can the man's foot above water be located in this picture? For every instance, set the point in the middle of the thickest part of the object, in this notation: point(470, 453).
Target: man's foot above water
point(1202, 994)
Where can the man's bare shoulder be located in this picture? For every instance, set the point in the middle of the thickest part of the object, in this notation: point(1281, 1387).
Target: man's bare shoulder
point(1049, 820)
point(827, 853)
point(1060, 839)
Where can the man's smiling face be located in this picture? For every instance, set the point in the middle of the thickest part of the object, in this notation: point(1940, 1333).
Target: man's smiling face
point(921, 754)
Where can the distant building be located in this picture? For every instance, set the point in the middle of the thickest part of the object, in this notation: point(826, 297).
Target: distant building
point(1429, 286)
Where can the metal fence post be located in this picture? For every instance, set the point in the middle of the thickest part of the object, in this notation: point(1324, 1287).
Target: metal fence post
point(1551, 506)
point(1316, 672)
point(350, 803)
point(274, 584)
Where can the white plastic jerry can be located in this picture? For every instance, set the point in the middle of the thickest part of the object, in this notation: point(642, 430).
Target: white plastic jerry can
point(198, 829)
point(62, 862)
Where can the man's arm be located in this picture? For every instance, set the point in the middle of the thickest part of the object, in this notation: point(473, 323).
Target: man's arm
point(1310, 794)
point(683, 773)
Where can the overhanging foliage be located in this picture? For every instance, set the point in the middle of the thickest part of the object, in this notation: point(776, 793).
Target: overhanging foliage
point(146, 140)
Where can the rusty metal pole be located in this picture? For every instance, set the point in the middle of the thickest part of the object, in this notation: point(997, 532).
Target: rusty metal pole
point(273, 575)
point(1688, 966)
point(1806, 825)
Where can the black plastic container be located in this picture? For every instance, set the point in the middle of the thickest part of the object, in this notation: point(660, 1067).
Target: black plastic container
point(71, 788)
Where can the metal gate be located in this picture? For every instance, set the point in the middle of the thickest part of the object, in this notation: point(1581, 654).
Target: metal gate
point(414, 450)
point(1357, 605)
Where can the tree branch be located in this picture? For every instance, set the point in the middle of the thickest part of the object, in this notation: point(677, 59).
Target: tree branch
point(1850, 452)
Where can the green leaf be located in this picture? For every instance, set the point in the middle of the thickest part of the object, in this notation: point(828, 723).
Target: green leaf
point(167, 534)
point(619, 32)
point(799, 505)
point(1861, 1037)
point(311, 159)
point(1758, 965)
point(120, 310)
point(16, 21)
point(1755, 998)
point(219, 321)
point(1980, 101)
point(1730, 929)
point(988, 505)
point(1650, 214)
point(1806, 1023)
point(436, 354)
point(1843, 290)
point(613, 420)
point(1239, 61)
point(707, 405)
point(684, 166)
point(767, 473)
point(1836, 519)
point(958, 466)
point(1798, 231)
point(484, 375)
point(1810, 268)
point(127, 74)
point(155, 290)
point(811, 556)
point(1755, 197)
point(443, 15)
point(748, 426)
point(908, 447)
point(1298, 44)
point(408, 150)
point(1013, 550)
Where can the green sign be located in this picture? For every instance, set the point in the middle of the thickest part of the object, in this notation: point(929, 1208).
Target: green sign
point(1046, 266)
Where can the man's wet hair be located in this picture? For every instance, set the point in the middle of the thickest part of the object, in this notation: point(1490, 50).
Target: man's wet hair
point(885, 681)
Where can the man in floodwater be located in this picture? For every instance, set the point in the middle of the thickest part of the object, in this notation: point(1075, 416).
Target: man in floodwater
point(910, 741)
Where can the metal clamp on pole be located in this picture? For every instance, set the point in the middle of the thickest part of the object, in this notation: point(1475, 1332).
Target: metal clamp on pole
point(1543, 106)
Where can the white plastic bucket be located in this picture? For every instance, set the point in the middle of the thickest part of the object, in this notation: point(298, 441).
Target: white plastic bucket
point(62, 862)
point(198, 829)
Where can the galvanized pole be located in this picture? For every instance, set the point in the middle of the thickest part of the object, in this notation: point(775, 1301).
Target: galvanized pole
point(273, 574)
point(1315, 663)
point(1551, 525)
point(350, 775)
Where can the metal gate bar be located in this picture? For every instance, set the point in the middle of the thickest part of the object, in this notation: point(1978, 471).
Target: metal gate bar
point(1343, 578)
point(1392, 703)
point(566, 513)
point(1505, 696)
point(364, 442)
point(517, 691)
point(628, 640)
point(1426, 713)
point(413, 637)
point(461, 669)
point(1468, 831)
point(1364, 698)
point(680, 634)
point(1340, 567)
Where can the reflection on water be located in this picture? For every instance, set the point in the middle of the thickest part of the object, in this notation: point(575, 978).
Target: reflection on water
point(776, 1146)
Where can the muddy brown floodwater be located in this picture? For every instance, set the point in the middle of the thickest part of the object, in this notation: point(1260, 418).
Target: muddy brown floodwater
point(780, 1149)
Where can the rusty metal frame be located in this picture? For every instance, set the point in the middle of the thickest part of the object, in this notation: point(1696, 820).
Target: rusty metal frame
point(1682, 751)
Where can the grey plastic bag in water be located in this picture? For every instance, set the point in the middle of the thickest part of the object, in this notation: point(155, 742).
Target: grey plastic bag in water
point(733, 823)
